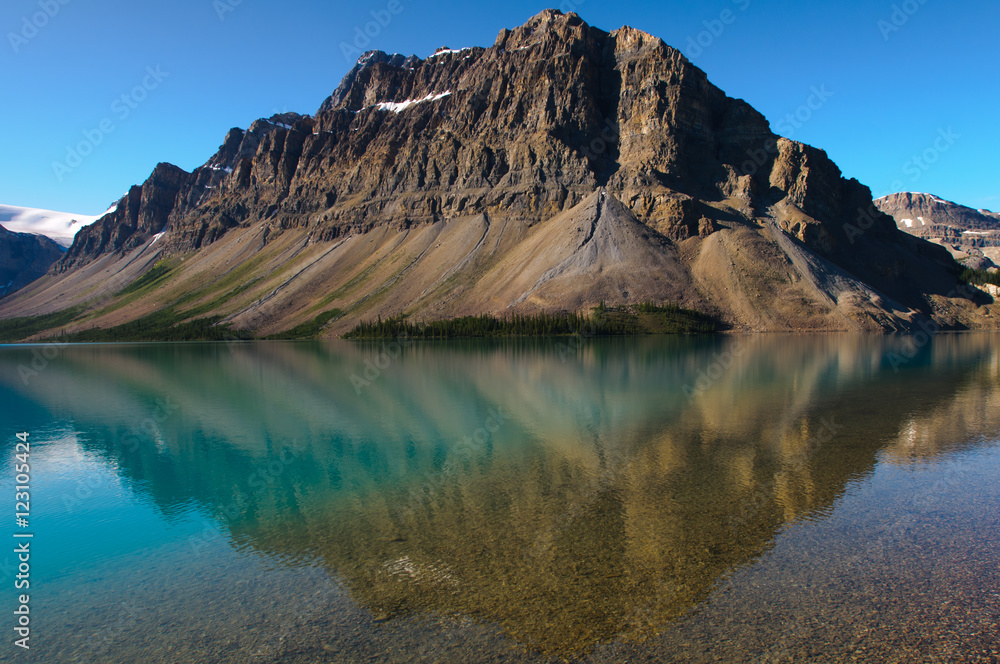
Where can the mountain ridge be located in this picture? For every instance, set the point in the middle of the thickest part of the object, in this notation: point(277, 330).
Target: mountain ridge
point(429, 187)
point(60, 227)
point(24, 257)
point(972, 236)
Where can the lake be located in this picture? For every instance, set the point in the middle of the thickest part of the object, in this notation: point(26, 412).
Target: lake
point(748, 499)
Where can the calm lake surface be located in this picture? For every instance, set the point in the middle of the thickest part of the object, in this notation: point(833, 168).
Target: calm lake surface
point(746, 499)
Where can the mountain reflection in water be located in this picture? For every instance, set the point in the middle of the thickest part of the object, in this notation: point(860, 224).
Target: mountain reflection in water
point(570, 493)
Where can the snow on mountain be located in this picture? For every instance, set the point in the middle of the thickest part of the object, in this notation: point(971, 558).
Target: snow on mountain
point(59, 226)
point(444, 50)
point(400, 106)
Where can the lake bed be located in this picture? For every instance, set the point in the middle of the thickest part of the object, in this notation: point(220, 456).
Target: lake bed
point(749, 498)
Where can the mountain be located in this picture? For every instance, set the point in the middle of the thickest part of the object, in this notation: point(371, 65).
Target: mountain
point(558, 168)
point(972, 236)
point(61, 227)
point(23, 258)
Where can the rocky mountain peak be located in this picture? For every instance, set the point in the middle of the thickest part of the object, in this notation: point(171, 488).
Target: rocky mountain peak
point(533, 124)
point(556, 32)
point(368, 61)
point(971, 236)
point(495, 142)
point(631, 39)
point(550, 26)
point(928, 209)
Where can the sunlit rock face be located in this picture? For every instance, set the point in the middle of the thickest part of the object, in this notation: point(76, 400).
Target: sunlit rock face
point(971, 236)
point(562, 166)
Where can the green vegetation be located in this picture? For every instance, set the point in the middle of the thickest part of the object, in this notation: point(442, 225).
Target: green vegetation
point(350, 286)
point(645, 318)
point(170, 325)
point(650, 308)
point(472, 327)
point(16, 329)
point(308, 330)
point(156, 275)
point(164, 325)
point(980, 277)
point(668, 319)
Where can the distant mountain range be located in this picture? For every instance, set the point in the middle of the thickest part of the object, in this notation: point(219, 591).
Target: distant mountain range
point(972, 236)
point(24, 258)
point(61, 227)
point(561, 167)
point(31, 241)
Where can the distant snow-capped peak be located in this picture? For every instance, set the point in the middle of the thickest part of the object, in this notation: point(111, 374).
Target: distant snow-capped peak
point(61, 227)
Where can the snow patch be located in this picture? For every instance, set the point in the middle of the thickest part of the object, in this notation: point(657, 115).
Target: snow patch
point(157, 237)
point(400, 106)
point(446, 51)
point(61, 227)
point(921, 220)
point(908, 222)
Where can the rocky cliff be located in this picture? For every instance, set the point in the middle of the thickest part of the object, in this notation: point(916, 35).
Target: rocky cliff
point(24, 258)
point(972, 236)
point(169, 194)
point(561, 166)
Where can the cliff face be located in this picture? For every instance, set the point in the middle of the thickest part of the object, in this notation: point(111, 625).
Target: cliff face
point(474, 155)
point(169, 195)
point(531, 126)
point(972, 236)
point(24, 258)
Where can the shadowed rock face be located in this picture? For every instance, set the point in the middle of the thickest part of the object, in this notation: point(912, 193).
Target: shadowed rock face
point(24, 258)
point(168, 194)
point(512, 137)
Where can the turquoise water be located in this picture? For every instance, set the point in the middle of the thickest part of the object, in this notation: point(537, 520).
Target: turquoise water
point(770, 498)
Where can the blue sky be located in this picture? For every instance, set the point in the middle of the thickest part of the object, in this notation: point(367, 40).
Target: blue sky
point(903, 95)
